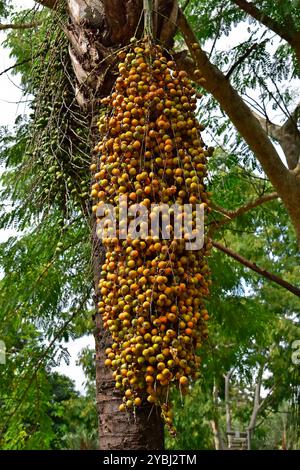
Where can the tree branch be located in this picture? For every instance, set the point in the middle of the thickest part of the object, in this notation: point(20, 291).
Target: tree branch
point(230, 215)
point(18, 26)
point(291, 124)
point(256, 405)
point(256, 401)
point(35, 366)
point(287, 135)
point(214, 422)
point(213, 80)
point(186, 5)
point(296, 171)
point(18, 64)
point(263, 272)
point(290, 138)
point(169, 26)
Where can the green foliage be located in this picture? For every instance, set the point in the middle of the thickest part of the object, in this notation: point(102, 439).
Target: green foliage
point(46, 285)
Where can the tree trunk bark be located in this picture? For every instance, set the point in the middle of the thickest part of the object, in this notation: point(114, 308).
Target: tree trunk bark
point(96, 30)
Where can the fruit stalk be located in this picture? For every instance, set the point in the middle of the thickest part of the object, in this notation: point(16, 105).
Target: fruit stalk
point(148, 18)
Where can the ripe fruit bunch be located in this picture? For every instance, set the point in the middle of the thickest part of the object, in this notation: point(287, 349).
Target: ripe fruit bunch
point(152, 289)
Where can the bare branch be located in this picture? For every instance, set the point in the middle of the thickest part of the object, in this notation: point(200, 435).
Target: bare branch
point(288, 32)
point(169, 26)
point(273, 130)
point(263, 272)
point(239, 113)
point(241, 59)
point(186, 5)
point(290, 139)
point(155, 18)
point(287, 135)
point(213, 80)
point(48, 3)
point(227, 378)
point(230, 215)
point(218, 16)
point(267, 398)
point(256, 404)
point(214, 422)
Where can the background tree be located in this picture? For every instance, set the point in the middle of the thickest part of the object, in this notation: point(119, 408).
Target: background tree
point(48, 278)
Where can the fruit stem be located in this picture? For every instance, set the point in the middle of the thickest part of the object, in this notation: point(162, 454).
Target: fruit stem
point(148, 20)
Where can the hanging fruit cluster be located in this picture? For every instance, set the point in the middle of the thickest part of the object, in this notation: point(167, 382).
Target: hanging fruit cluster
point(152, 289)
